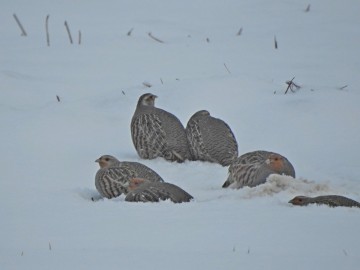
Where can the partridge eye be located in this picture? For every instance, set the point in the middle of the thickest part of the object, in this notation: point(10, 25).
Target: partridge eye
point(107, 159)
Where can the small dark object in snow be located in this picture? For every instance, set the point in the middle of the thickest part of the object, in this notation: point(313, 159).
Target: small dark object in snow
point(130, 31)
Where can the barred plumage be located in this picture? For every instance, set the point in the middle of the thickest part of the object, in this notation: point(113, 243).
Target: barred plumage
point(330, 200)
point(158, 133)
point(142, 190)
point(211, 139)
point(112, 179)
point(252, 169)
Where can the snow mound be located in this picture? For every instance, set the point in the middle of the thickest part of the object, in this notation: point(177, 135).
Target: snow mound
point(281, 183)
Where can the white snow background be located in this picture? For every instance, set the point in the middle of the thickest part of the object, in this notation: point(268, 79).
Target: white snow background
point(48, 147)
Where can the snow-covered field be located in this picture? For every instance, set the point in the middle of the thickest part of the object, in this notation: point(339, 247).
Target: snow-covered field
point(48, 147)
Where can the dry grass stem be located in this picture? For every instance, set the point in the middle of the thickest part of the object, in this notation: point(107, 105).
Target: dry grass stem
point(68, 31)
point(79, 42)
point(23, 32)
point(147, 84)
point(155, 38)
point(227, 68)
point(47, 30)
point(343, 87)
point(130, 31)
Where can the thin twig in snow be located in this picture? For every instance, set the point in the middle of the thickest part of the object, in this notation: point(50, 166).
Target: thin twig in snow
point(79, 38)
point(155, 38)
point(343, 87)
point(23, 32)
point(147, 84)
point(307, 8)
point(49, 246)
point(47, 30)
point(68, 31)
point(239, 32)
point(130, 31)
point(275, 42)
point(227, 68)
point(58, 98)
point(208, 40)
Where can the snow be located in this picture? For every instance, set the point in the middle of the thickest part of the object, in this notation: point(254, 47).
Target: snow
point(48, 220)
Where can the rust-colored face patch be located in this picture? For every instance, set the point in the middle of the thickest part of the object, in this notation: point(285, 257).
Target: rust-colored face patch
point(276, 162)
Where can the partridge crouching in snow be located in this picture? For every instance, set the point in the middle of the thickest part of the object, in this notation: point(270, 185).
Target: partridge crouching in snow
point(211, 139)
point(330, 200)
point(113, 177)
point(158, 133)
point(252, 169)
point(142, 190)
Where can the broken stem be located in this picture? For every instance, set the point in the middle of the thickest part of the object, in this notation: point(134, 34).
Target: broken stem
point(155, 38)
point(68, 31)
point(23, 32)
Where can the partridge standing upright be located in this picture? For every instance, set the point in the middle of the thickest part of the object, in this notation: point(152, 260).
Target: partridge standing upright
point(211, 139)
point(252, 169)
point(113, 177)
point(142, 190)
point(330, 200)
point(158, 133)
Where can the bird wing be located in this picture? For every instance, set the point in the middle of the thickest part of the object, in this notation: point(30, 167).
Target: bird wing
point(142, 171)
point(112, 182)
point(219, 140)
point(148, 136)
point(195, 138)
point(155, 192)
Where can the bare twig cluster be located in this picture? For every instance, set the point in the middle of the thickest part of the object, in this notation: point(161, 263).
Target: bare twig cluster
point(291, 86)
